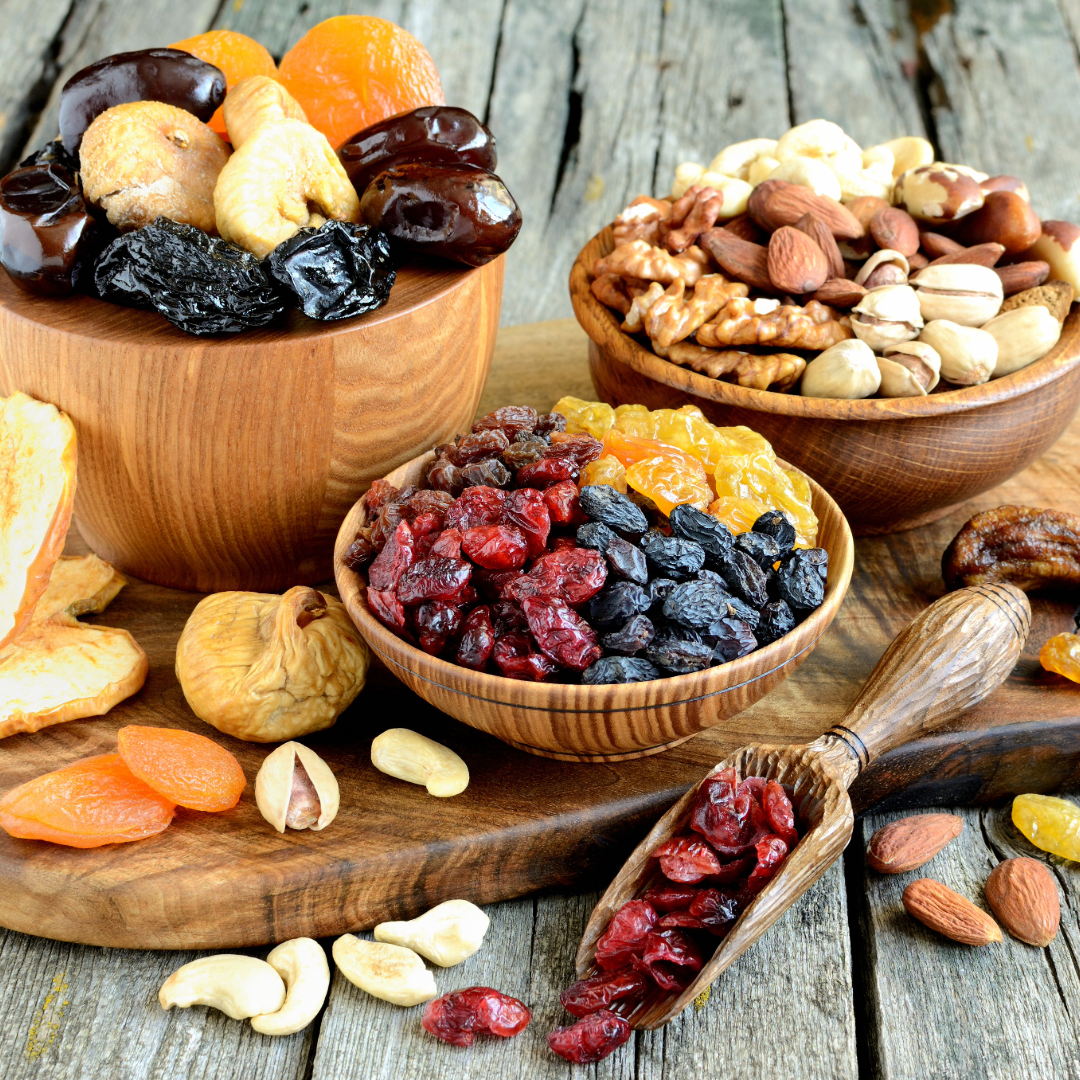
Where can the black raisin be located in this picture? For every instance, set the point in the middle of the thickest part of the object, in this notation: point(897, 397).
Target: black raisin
point(800, 584)
point(710, 534)
point(490, 473)
point(595, 534)
point(744, 577)
point(731, 638)
point(548, 422)
point(626, 560)
point(776, 620)
point(777, 524)
point(740, 609)
point(631, 638)
point(818, 557)
point(618, 602)
point(696, 604)
point(679, 653)
point(659, 590)
point(602, 502)
point(620, 669)
point(712, 575)
point(672, 556)
point(763, 549)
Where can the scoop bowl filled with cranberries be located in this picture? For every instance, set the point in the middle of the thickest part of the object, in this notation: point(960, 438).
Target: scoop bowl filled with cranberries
point(594, 584)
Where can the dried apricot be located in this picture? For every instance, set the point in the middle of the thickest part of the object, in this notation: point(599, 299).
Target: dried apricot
point(237, 56)
point(352, 71)
point(190, 769)
point(93, 802)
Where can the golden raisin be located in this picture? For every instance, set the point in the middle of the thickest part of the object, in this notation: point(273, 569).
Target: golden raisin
point(1061, 654)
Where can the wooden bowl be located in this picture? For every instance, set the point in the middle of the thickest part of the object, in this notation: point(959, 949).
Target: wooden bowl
point(596, 723)
point(891, 463)
point(229, 462)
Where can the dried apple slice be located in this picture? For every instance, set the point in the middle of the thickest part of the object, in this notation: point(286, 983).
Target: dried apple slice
point(37, 489)
point(80, 585)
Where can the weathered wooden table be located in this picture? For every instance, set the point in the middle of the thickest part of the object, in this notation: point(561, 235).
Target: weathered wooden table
point(595, 101)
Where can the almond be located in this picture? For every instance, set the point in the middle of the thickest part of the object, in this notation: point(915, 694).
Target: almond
point(785, 205)
point(912, 841)
point(839, 293)
point(949, 913)
point(796, 264)
point(741, 259)
point(894, 228)
point(980, 255)
point(746, 228)
point(1023, 895)
point(1020, 276)
point(862, 209)
point(755, 204)
point(935, 245)
point(825, 240)
point(917, 261)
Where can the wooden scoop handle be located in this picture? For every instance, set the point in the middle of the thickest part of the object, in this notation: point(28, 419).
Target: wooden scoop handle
point(951, 656)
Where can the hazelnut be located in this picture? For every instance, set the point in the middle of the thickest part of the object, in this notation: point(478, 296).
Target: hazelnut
point(1006, 183)
point(1004, 218)
point(938, 192)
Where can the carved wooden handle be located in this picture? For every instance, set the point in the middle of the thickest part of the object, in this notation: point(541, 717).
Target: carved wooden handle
point(950, 657)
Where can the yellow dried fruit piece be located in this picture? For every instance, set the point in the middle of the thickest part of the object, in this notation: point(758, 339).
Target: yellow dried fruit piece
point(758, 478)
point(256, 101)
point(606, 470)
point(635, 420)
point(1061, 654)
point(669, 483)
point(592, 417)
point(1050, 824)
point(144, 159)
point(736, 513)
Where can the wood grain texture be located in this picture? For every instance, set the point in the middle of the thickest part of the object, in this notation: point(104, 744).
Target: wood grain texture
point(228, 463)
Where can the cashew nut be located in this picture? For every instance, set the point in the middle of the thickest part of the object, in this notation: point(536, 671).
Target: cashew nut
point(408, 756)
point(385, 971)
point(256, 101)
point(761, 170)
point(814, 139)
point(735, 160)
point(240, 986)
point(447, 934)
point(811, 173)
point(687, 175)
point(295, 787)
point(909, 152)
point(735, 192)
point(302, 965)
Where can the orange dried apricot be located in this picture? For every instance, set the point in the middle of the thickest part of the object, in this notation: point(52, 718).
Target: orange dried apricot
point(236, 55)
point(93, 802)
point(190, 769)
point(630, 449)
point(352, 71)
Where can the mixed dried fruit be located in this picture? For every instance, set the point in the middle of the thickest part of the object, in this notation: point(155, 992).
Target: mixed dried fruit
point(883, 262)
point(594, 544)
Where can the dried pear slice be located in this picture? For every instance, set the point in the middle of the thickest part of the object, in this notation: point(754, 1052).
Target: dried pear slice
point(80, 585)
point(37, 489)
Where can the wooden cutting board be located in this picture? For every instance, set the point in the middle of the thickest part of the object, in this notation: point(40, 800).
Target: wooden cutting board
point(524, 823)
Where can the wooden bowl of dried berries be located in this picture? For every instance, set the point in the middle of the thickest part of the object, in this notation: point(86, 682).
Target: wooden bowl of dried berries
point(899, 328)
point(594, 584)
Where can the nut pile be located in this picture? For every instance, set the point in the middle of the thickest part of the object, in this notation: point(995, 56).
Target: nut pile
point(529, 575)
point(213, 194)
point(806, 262)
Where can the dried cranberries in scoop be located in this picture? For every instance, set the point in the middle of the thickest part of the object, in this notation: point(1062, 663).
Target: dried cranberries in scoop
point(591, 1038)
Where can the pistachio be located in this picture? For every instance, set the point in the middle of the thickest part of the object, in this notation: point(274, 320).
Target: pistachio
point(1022, 335)
point(295, 788)
point(963, 293)
point(846, 370)
point(968, 355)
point(920, 359)
point(885, 259)
point(886, 316)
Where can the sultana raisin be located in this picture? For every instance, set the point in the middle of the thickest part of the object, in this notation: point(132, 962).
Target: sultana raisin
point(1061, 655)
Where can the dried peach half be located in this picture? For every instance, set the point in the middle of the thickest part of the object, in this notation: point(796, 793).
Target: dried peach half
point(37, 489)
point(93, 802)
point(187, 768)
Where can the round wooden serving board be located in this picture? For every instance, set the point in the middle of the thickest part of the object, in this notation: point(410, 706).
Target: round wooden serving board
point(525, 822)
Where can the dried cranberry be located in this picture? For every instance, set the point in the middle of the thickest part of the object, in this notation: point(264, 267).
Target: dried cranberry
point(460, 1016)
point(735, 870)
point(563, 543)
point(771, 852)
point(444, 475)
point(717, 817)
point(561, 632)
point(508, 618)
point(516, 659)
point(428, 522)
point(434, 578)
point(359, 553)
point(599, 991)
point(562, 503)
point(389, 610)
point(476, 506)
point(686, 859)
point(667, 898)
point(436, 622)
point(781, 813)
point(448, 544)
point(580, 448)
point(492, 582)
point(477, 639)
point(680, 920)
point(478, 447)
point(378, 495)
point(495, 547)
point(573, 575)
point(526, 511)
point(591, 1038)
point(394, 559)
point(388, 520)
point(670, 959)
point(753, 786)
point(512, 420)
point(548, 471)
point(716, 909)
point(625, 935)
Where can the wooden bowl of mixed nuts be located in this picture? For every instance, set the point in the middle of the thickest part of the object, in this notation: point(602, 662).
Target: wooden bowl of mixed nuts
point(936, 289)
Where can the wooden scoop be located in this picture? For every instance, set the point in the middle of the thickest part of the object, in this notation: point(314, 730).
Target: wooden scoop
point(950, 657)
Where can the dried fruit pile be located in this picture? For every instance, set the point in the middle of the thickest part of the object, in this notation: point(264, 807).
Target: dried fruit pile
point(540, 550)
point(902, 273)
point(202, 182)
point(739, 836)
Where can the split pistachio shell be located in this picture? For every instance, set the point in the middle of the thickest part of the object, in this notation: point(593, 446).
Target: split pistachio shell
point(419, 760)
point(846, 370)
point(897, 380)
point(886, 316)
point(968, 354)
point(919, 358)
point(276, 793)
point(447, 934)
point(385, 971)
point(1022, 335)
point(884, 255)
point(963, 293)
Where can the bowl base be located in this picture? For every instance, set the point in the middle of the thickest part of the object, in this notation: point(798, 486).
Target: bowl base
point(599, 759)
point(904, 524)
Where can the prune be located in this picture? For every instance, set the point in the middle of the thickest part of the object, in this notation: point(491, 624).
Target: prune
point(458, 1017)
point(477, 639)
point(596, 535)
point(696, 604)
point(547, 472)
point(618, 602)
point(763, 549)
point(478, 446)
point(672, 556)
point(712, 535)
point(775, 523)
point(525, 451)
point(620, 669)
point(678, 653)
point(200, 283)
point(800, 583)
point(550, 422)
point(561, 632)
point(448, 544)
point(52, 153)
point(771, 852)
point(581, 448)
point(669, 959)
point(433, 578)
point(444, 475)
point(168, 75)
point(573, 574)
point(49, 238)
point(335, 271)
point(527, 511)
point(686, 859)
point(744, 577)
point(590, 1038)
point(389, 610)
point(660, 589)
point(476, 506)
point(780, 812)
point(776, 620)
point(714, 908)
point(625, 935)
point(397, 555)
point(436, 622)
point(731, 638)
point(627, 561)
point(515, 421)
point(562, 503)
point(589, 995)
point(435, 134)
point(359, 553)
point(601, 502)
point(455, 212)
point(515, 658)
point(495, 547)
point(631, 638)
point(667, 898)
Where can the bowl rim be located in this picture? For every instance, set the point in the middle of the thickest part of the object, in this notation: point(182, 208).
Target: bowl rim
point(603, 329)
point(667, 692)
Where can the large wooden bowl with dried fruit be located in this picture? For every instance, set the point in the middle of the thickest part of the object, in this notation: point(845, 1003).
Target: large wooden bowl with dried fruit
point(606, 722)
point(229, 462)
point(890, 463)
